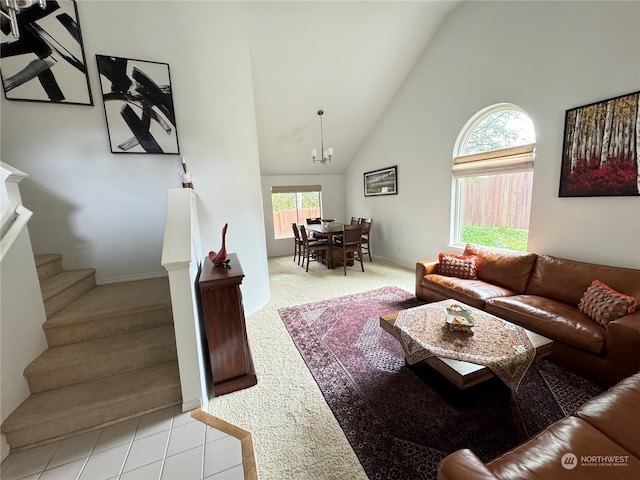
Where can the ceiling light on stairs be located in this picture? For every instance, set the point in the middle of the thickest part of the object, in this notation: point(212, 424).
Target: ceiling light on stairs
point(9, 9)
point(326, 154)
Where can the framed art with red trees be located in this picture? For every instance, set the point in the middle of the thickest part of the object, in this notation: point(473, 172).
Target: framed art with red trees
point(600, 151)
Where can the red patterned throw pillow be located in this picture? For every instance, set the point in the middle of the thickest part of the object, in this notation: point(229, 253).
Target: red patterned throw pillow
point(603, 304)
point(461, 266)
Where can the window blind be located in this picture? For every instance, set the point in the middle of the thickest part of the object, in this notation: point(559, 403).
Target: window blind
point(296, 188)
point(508, 160)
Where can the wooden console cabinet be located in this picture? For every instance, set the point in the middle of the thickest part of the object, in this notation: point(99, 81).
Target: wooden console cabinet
point(221, 300)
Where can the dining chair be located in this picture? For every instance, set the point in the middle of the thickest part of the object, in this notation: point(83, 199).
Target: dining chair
point(312, 250)
point(298, 246)
point(355, 220)
point(314, 221)
point(366, 236)
point(351, 243)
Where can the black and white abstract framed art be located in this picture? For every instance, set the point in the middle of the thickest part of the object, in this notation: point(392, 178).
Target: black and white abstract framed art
point(381, 182)
point(47, 62)
point(138, 105)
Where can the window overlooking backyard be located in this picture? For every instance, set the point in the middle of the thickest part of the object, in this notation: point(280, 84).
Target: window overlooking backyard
point(493, 179)
point(293, 205)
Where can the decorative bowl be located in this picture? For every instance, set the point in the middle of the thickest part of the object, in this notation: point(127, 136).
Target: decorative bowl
point(459, 319)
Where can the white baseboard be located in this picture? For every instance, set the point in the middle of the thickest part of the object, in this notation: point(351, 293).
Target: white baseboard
point(4, 448)
point(191, 405)
point(129, 278)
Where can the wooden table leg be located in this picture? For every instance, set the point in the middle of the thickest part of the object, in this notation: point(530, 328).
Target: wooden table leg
point(330, 252)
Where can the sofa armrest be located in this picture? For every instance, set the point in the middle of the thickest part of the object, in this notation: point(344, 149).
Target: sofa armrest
point(630, 324)
point(463, 464)
point(623, 343)
point(425, 267)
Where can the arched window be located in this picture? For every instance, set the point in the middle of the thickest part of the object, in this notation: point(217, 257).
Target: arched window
point(493, 179)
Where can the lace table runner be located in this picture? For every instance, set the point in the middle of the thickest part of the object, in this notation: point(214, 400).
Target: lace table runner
point(496, 344)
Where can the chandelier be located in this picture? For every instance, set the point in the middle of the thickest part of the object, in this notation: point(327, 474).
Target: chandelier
point(325, 154)
point(9, 9)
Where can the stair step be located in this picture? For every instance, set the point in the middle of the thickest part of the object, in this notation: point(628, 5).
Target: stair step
point(48, 265)
point(113, 309)
point(63, 288)
point(80, 362)
point(59, 413)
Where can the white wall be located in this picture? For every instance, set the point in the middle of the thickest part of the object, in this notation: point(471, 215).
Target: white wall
point(333, 201)
point(546, 57)
point(107, 211)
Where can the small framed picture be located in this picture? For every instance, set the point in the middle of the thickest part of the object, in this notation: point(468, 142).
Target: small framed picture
point(381, 182)
point(138, 105)
point(600, 151)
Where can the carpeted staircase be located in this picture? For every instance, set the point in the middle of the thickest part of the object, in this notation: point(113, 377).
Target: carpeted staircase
point(111, 356)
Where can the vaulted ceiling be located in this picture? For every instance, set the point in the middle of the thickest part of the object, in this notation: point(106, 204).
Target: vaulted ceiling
point(348, 58)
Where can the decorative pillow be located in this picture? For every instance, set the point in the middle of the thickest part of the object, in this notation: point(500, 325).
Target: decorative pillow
point(461, 266)
point(603, 304)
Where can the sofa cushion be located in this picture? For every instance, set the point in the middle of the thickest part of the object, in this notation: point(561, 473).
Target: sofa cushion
point(540, 458)
point(553, 319)
point(504, 268)
point(461, 266)
point(614, 413)
point(463, 464)
point(471, 292)
point(603, 304)
point(566, 280)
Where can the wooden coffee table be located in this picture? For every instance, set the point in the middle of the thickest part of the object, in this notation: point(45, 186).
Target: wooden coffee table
point(464, 374)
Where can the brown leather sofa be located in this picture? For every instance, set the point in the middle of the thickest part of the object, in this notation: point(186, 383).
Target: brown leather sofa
point(541, 293)
point(599, 441)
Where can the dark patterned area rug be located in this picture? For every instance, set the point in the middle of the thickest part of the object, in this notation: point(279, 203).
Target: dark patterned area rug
point(401, 421)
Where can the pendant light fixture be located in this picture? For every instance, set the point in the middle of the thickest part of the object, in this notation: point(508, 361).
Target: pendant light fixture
point(9, 9)
point(326, 155)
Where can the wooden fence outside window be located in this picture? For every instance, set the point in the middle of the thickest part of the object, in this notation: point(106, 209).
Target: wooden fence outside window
point(283, 219)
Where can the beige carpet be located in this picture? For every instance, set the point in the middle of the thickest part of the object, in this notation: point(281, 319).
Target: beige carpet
point(295, 435)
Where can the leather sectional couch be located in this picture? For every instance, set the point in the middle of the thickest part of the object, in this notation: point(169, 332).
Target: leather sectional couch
point(542, 293)
point(599, 441)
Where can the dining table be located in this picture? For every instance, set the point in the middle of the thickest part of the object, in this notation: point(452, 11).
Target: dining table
point(328, 231)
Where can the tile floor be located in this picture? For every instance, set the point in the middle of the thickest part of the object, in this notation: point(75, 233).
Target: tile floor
point(164, 445)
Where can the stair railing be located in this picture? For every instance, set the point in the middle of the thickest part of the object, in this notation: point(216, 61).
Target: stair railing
point(182, 258)
point(20, 320)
